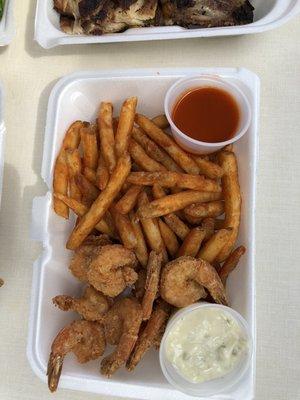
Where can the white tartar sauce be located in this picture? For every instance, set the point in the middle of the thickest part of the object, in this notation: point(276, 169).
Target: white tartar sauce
point(206, 344)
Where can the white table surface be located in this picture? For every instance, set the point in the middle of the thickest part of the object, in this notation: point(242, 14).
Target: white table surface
point(29, 72)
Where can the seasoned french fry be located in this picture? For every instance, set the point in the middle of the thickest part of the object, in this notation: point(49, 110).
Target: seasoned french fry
point(168, 144)
point(101, 204)
point(102, 174)
point(169, 238)
point(153, 150)
point(140, 250)
point(60, 184)
point(174, 179)
point(192, 242)
point(74, 167)
point(175, 202)
point(129, 200)
point(142, 159)
point(89, 146)
point(203, 210)
point(209, 225)
point(161, 121)
point(172, 220)
point(124, 228)
point(208, 168)
point(80, 210)
point(151, 230)
point(72, 136)
point(126, 121)
point(90, 174)
point(106, 132)
point(209, 252)
point(192, 220)
point(231, 263)
point(88, 190)
point(233, 200)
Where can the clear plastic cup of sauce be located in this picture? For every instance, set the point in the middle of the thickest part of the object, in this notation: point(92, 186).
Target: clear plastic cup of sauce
point(206, 113)
point(173, 372)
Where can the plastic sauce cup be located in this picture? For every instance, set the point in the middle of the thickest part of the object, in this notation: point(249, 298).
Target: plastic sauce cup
point(214, 386)
point(179, 88)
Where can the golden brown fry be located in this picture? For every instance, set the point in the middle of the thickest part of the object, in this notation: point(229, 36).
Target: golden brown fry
point(192, 242)
point(175, 202)
point(60, 184)
point(231, 263)
point(169, 238)
point(153, 150)
point(124, 228)
point(80, 210)
point(88, 190)
point(102, 174)
point(151, 229)
point(140, 250)
point(209, 225)
point(214, 245)
point(102, 203)
point(129, 200)
point(72, 136)
point(148, 337)
point(74, 167)
point(142, 159)
point(161, 121)
point(168, 144)
point(106, 132)
point(89, 146)
point(126, 121)
point(172, 220)
point(90, 175)
point(152, 283)
point(233, 200)
point(203, 210)
point(208, 168)
point(174, 179)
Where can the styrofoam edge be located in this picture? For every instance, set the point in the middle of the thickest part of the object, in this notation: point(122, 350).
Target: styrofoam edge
point(127, 390)
point(7, 22)
point(2, 137)
point(48, 36)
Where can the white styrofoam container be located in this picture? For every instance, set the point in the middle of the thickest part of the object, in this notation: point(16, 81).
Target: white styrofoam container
point(268, 15)
point(7, 24)
point(78, 97)
point(2, 133)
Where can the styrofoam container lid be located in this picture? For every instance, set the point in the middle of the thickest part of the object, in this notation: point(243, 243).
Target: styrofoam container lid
point(268, 14)
point(7, 24)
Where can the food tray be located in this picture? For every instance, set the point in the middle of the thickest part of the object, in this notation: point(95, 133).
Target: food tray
point(6, 24)
point(78, 97)
point(2, 133)
point(268, 15)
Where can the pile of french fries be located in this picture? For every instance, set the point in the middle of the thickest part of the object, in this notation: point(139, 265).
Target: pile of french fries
point(127, 178)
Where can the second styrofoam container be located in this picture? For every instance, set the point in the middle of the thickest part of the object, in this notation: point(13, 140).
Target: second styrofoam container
point(2, 133)
point(7, 24)
point(78, 96)
point(269, 14)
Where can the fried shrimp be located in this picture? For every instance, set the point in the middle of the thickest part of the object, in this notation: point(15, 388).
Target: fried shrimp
point(139, 286)
point(152, 283)
point(183, 281)
point(121, 325)
point(84, 338)
point(112, 270)
point(85, 253)
point(150, 335)
point(91, 306)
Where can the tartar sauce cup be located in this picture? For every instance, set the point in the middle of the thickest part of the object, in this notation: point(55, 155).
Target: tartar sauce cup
point(184, 85)
point(214, 386)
